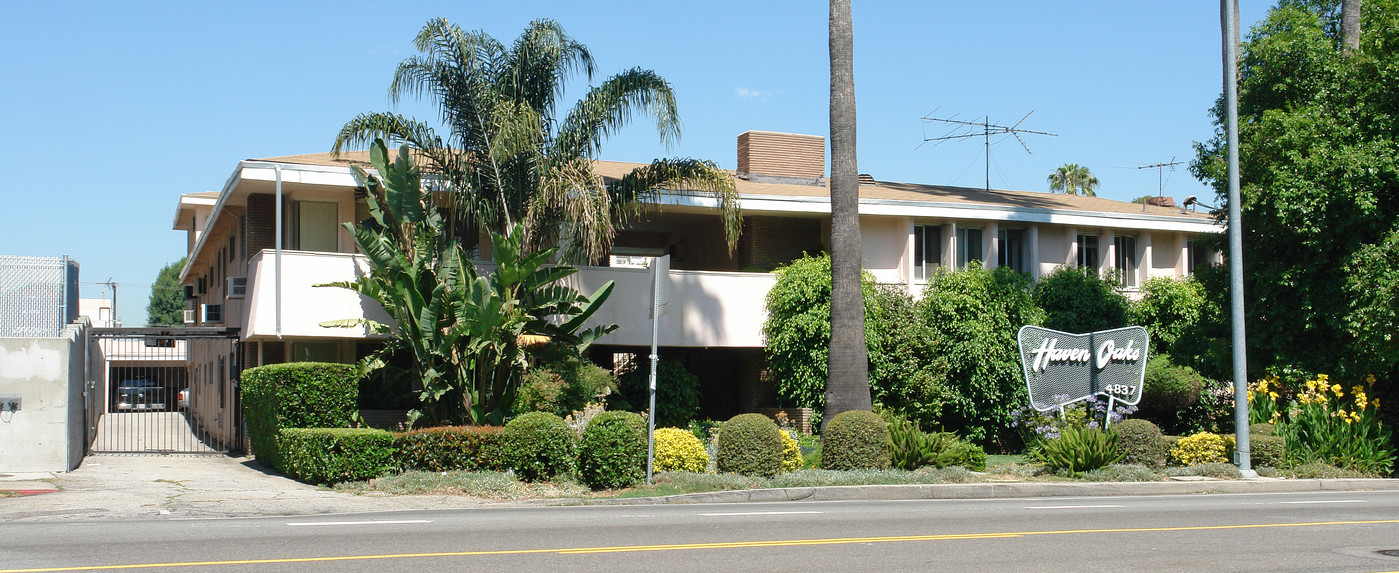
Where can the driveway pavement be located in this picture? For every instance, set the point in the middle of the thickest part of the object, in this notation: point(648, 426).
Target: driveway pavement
point(117, 486)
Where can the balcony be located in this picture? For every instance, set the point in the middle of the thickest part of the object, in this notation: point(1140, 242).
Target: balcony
point(706, 308)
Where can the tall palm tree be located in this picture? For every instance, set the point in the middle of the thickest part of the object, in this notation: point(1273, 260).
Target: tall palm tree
point(1073, 179)
point(508, 160)
point(847, 383)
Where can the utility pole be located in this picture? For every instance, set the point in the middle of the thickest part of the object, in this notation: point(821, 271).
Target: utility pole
point(1242, 448)
point(966, 129)
point(113, 286)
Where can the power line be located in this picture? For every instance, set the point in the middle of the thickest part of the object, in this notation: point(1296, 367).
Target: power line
point(959, 129)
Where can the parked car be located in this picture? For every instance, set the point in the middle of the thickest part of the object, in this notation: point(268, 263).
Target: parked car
point(140, 394)
point(184, 399)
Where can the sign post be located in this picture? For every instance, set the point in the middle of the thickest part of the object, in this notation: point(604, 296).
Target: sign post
point(660, 274)
point(1063, 368)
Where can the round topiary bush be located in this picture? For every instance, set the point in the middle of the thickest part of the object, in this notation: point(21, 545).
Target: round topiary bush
point(1141, 443)
point(612, 450)
point(855, 440)
point(1169, 388)
point(749, 444)
point(1261, 429)
point(1266, 450)
point(679, 451)
point(1203, 448)
point(539, 446)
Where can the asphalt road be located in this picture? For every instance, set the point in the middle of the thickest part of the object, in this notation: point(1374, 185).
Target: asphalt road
point(1315, 531)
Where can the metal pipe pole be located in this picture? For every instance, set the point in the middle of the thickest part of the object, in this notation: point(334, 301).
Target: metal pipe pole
point(656, 268)
point(1236, 261)
point(277, 264)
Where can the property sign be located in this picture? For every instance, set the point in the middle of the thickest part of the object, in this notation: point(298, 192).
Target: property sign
point(1063, 368)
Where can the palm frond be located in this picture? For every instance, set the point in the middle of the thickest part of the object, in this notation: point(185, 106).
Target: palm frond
point(636, 190)
point(608, 108)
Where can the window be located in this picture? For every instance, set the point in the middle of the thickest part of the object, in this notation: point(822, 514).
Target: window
point(315, 226)
point(1010, 250)
point(968, 246)
point(927, 251)
point(315, 352)
point(1196, 256)
point(633, 257)
point(1126, 259)
point(1087, 251)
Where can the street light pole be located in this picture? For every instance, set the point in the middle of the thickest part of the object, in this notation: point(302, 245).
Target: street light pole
point(1236, 262)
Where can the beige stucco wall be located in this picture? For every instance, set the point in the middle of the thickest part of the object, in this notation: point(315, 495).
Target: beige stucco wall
point(304, 305)
point(884, 246)
point(48, 432)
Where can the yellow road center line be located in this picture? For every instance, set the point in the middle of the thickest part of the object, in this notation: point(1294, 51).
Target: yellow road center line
point(690, 546)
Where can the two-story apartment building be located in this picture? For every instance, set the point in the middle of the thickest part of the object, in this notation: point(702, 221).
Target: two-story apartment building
point(259, 245)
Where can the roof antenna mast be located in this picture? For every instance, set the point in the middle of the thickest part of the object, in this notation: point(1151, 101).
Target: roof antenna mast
point(967, 129)
point(1159, 167)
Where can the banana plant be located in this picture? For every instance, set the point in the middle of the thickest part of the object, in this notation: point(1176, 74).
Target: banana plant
point(469, 336)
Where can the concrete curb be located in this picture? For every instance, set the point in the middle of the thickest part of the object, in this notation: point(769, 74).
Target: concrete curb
point(1008, 490)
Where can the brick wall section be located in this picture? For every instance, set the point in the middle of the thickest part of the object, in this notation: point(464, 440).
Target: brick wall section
point(262, 222)
point(781, 154)
point(771, 241)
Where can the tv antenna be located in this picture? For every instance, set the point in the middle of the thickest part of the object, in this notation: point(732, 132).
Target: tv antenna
point(1160, 167)
point(967, 129)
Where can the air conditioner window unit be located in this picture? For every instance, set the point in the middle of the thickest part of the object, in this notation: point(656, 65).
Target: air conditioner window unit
point(237, 287)
point(213, 313)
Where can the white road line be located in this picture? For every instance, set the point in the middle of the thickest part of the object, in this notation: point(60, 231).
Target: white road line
point(383, 522)
point(758, 513)
point(1071, 506)
point(1326, 501)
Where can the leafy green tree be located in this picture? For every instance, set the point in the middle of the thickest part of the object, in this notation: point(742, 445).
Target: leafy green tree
point(975, 315)
point(468, 334)
point(1168, 308)
point(1078, 300)
point(1319, 166)
point(1073, 179)
point(167, 303)
point(509, 160)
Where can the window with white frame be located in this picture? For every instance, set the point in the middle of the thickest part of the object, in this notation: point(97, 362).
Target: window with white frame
point(315, 226)
point(1010, 249)
point(1087, 251)
point(968, 246)
point(1125, 255)
point(927, 251)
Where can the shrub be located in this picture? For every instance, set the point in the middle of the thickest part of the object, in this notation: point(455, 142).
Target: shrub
point(332, 455)
point(749, 444)
point(1080, 449)
point(539, 446)
point(1180, 400)
point(975, 315)
point(1169, 388)
point(612, 451)
point(1168, 308)
point(906, 373)
point(1141, 443)
point(855, 440)
point(677, 391)
point(1324, 424)
point(1122, 472)
point(1262, 429)
point(295, 395)
point(791, 453)
point(1267, 450)
point(679, 451)
point(563, 386)
point(1203, 448)
point(910, 448)
point(448, 448)
point(1078, 300)
point(1217, 470)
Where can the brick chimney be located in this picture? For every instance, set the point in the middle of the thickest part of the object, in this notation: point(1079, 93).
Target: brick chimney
point(766, 156)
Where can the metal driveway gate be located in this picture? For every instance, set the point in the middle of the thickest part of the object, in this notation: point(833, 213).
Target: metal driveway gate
point(164, 390)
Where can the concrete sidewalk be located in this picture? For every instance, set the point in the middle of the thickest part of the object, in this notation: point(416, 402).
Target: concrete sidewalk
point(113, 486)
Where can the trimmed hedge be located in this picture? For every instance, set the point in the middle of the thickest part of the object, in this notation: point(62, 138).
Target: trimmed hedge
point(539, 446)
point(1141, 443)
point(749, 444)
point(295, 395)
point(331, 455)
point(447, 448)
point(1268, 451)
point(855, 440)
point(679, 450)
point(612, 450)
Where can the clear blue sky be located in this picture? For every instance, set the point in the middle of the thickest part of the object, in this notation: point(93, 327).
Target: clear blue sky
point(111, 111)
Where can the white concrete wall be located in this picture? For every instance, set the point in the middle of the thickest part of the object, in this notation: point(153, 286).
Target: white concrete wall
point(707, 308)
point(884, 248)
point(48, 433)
point(304, 305)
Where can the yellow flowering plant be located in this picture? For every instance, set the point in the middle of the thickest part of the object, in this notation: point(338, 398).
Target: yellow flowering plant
point(1323, 424)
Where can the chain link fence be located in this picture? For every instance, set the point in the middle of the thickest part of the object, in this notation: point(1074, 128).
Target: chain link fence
point(38, 295)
